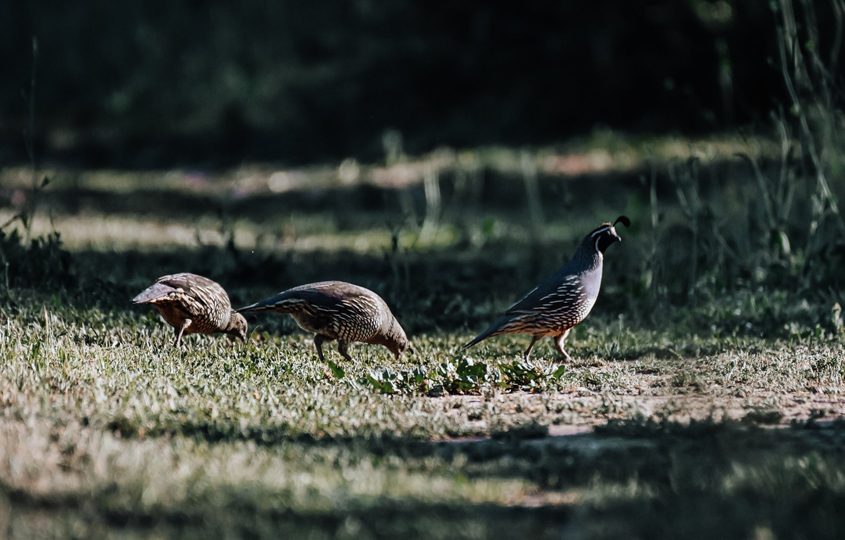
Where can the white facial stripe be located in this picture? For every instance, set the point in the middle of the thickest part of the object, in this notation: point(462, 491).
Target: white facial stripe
point(600, 232)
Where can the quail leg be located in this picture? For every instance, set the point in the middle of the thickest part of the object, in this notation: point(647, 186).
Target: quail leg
point(318, 343)
point(559, 344)
point(527, 352)
point(342, 349)
point(179, 331)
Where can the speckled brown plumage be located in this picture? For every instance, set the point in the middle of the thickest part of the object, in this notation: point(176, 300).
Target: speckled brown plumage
point(563, 300)
point(193, 304)
point(338, 310)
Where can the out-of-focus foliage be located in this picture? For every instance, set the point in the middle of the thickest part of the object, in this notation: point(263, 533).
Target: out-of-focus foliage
point(150, 82)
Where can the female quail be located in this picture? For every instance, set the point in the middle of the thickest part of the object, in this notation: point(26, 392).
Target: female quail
point(193, 304)
point(564, 299)
point(341, 311)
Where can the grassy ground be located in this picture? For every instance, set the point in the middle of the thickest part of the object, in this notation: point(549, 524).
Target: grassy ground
point(717, 419)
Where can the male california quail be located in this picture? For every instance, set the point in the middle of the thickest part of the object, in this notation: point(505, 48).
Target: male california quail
point(193, 304)
point(564, 299)
point(341, 311)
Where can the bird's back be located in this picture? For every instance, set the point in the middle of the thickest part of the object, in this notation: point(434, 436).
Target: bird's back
point(573, 284)
point(330, 291)
point(323, 295)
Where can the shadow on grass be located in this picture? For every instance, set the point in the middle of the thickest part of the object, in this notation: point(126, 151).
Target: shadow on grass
point(491, 190)
point(635, 480)
point(463, 195)
point(243, 519)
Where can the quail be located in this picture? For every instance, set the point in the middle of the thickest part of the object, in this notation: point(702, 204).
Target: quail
point(564, 299)
point(338, 310)
point(193, 304)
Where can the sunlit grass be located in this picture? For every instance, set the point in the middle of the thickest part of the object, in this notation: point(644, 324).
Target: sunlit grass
point(110, 427)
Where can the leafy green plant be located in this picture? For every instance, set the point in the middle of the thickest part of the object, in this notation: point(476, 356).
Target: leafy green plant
point(524, 375)
point(387, 381)
point(463, 375)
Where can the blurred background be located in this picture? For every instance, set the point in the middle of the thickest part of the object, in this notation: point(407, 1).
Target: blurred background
point(448, 154)
point(152, 83)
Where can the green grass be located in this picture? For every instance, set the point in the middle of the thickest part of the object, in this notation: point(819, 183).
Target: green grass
point(712, 413)
point(107, 430)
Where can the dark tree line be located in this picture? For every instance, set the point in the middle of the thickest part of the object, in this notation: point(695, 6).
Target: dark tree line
point(146, 82)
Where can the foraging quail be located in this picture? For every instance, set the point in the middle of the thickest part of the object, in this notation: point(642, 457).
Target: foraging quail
point(564, 299)
point(193, 304)
point(341, 311)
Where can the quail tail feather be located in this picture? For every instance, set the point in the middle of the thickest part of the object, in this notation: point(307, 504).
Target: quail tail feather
point(154, 292)
point(493, 330)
